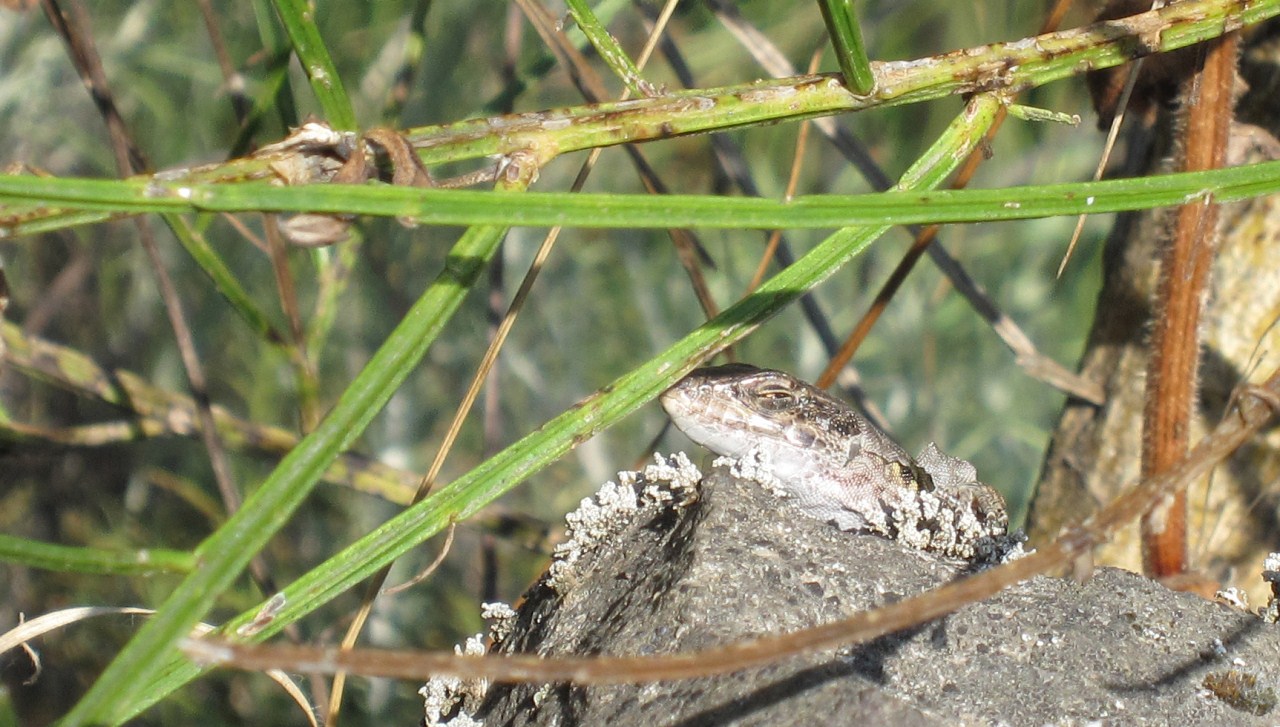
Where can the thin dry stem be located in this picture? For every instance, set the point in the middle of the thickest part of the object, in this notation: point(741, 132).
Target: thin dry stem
point(793, 181)
point(1253, 410)
point(1184, 272)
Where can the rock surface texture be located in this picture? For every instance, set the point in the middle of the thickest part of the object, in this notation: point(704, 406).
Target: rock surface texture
point(733, 561)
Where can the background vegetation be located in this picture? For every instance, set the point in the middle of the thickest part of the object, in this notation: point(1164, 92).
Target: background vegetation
point(607, 301)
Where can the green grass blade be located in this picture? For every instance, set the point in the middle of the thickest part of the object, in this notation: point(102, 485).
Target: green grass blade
point(545, 209)
point(607, 46)
point(334, 267)
point(223, 279)
point(846, 37)
point(65, 558)
point(300, 24)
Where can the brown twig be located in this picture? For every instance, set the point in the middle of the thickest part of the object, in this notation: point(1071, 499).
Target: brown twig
point(84, 56)
point(308, 381)
point(491, 415)
point(129, 160)
point(1184, 273)
point(423, 574)
point(793, 181)
point(1117, 113)
point(1253, 410)
point(231, 78)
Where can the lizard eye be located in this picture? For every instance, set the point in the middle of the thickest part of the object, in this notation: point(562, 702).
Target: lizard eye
point(775, 397)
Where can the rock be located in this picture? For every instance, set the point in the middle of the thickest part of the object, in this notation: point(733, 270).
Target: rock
point(685, 574)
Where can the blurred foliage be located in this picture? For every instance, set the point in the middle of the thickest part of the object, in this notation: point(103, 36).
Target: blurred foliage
point(606, 301)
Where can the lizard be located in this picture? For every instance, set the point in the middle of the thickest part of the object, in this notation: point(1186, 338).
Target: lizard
point(836, 465)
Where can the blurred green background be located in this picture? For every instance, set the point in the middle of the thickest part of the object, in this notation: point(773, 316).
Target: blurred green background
point(607, 301)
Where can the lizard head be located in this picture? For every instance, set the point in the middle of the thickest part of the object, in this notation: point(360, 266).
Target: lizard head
point(734, 408)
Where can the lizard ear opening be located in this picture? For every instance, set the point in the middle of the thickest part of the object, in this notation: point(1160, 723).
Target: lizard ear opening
point(855, 449)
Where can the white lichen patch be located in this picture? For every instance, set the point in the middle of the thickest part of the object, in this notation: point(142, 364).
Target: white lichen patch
point(502, 620)
point(1271, 574)
point(452, 702)
point(1271, 562)
point(1234, 597)
point(943, 522)
point(599, 518)
point(595, 520)
point(754, 466)
point(668, 482)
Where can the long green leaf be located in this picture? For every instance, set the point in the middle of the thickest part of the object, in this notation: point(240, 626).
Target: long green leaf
point(1021, 64)
point(299, 23)
point(846, 38)
point(460, 207)
point(607, 46)
point(65, 558)
point(223, 279)
point(1009, 67)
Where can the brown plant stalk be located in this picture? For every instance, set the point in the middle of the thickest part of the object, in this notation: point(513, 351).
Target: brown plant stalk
point(1184, 275)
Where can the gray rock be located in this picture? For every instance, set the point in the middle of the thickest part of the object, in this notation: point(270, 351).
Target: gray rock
point(738, 562)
